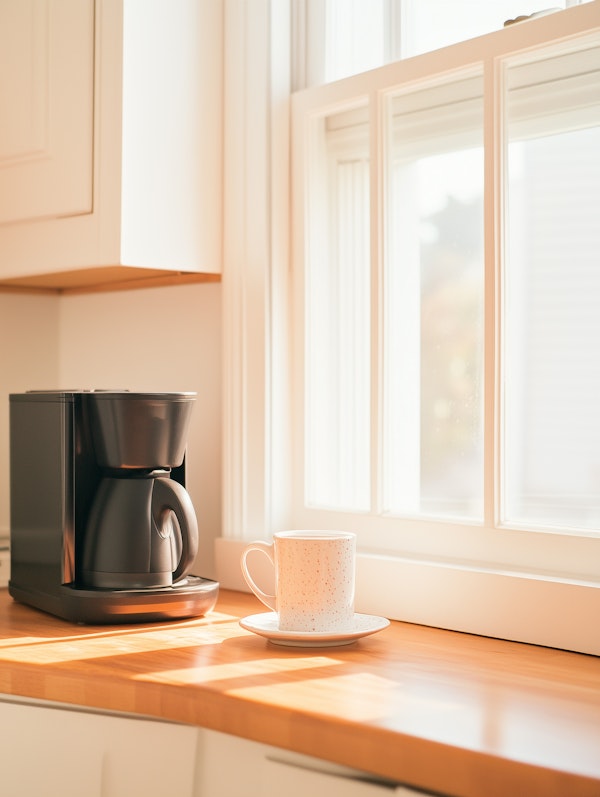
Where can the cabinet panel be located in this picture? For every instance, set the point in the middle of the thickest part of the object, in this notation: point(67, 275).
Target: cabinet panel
point(43, 752)
point(111, 166)
point(46, 96)
point(228, 766)
point(63, 753)
point(295, 781)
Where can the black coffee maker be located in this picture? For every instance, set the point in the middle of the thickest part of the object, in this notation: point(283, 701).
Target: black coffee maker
point(102, 528)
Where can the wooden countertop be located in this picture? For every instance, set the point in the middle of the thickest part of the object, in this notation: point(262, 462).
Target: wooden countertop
point(448, 712)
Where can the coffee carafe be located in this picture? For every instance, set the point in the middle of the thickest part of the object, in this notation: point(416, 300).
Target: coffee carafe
point(142, 530)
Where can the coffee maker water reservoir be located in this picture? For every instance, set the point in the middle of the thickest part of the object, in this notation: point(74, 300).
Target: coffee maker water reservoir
point(102, 528)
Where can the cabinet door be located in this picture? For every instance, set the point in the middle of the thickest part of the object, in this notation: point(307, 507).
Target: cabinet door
point(262, 771)
point(63, 753)
point(48, 752)
point(292, 780)
point(46, 108)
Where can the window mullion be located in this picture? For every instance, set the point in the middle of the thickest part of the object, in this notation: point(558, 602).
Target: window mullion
point(493, 237)
point(394, 29)
point(377, 153)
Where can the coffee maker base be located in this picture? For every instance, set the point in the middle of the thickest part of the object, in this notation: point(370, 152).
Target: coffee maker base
point(193, 596)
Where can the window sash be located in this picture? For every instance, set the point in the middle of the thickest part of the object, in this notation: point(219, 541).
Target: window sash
point(444, 541)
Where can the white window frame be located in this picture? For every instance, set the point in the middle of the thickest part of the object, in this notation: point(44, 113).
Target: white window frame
point(481, 595)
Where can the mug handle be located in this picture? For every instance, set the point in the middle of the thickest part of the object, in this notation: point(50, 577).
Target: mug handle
point(268, 550)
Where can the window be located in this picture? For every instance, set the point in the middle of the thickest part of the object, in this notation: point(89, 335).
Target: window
point(432, 290)
point(374, 232)
point(446, 285)
point(551, 363)
point(345, 37)
point(338, 353)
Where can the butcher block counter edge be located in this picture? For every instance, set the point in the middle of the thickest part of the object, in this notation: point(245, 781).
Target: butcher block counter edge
point(438, 710)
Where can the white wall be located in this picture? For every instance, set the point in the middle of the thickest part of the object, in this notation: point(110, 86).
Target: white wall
point(157, 339)
point(29, 335)
point(164, 339)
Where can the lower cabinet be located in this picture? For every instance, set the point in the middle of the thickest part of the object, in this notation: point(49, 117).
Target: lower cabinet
point(232, 767)
point(59, 752)
point(63, 752)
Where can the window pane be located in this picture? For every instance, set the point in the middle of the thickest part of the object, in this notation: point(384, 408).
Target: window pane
point(354, 37)
point(460, 20)
point(346, 37)
point(337, 318)
point(552, 296)
point(433, 278)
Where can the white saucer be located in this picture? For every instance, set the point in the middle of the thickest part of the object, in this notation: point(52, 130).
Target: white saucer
point(266, 624)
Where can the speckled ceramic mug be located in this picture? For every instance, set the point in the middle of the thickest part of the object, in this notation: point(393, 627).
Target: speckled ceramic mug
point(314, 579)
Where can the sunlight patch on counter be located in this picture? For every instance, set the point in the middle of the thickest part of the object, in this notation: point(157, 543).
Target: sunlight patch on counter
point(358, 697)
point(119, 642)
point(270, 671)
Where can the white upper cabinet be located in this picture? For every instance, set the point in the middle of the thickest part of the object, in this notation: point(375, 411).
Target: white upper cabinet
point(46, 86)
point(110, 141)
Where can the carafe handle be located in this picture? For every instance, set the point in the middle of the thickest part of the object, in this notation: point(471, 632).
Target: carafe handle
point(170, 496)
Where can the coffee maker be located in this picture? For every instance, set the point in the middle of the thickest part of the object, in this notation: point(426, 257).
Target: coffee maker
point(102, 527)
